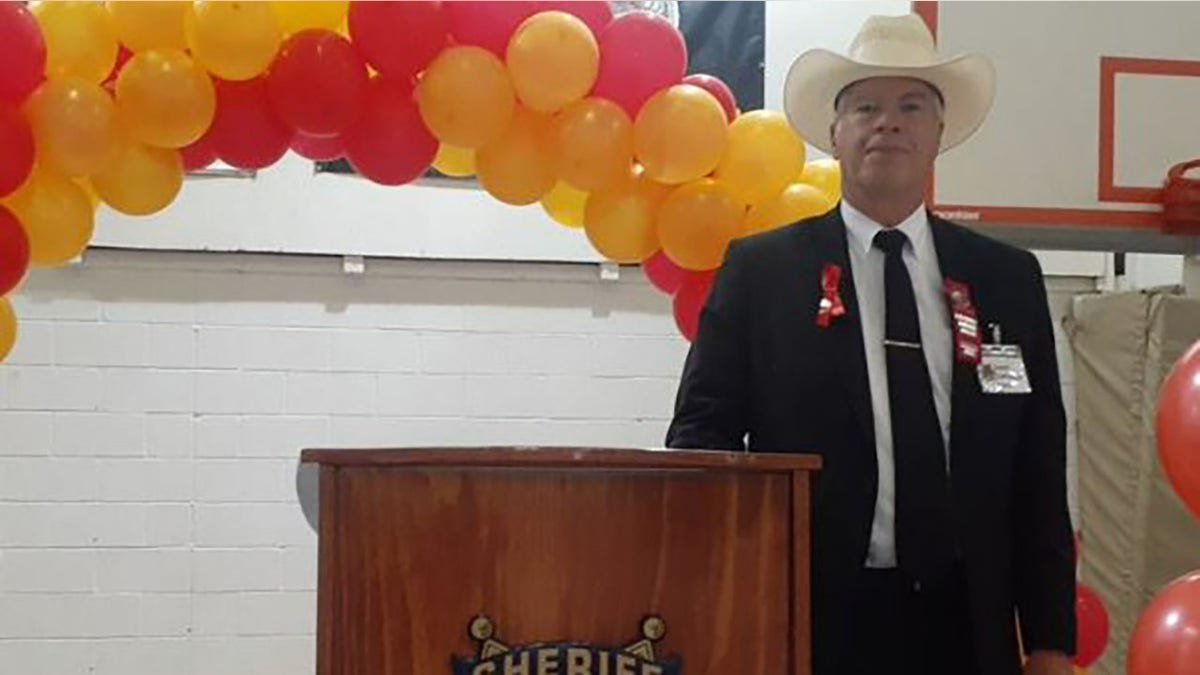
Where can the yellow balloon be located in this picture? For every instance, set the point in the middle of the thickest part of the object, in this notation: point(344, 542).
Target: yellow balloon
point(620, 221)
point(80, 39)
point(8, 328)
point(565, 204)
point(697, 222)
point(56, 215)
point(72, 124)
point(164, 99)
point(86, 185)
point(455, 162)
point(554, 59)
point(232, 40)
point(764, 154)
point(465, 97)
point(516, 169)
point(294, 16)
point(149, 24)
point(825, 174)
point(593, 144)
point(796, 202)
point(680, 134)
point(140, 180)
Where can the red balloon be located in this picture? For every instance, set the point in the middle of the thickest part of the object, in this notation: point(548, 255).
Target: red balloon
point(318, 83)
point(640, 53)
point(689, 301)
point(1178, 427)
point(374, 27)
point(1091, 626)
point(487, 23)
point(24, 52)
point(16, 158)
point(319, 148)
point(390, 144)
point(200, 154)
point(596, 15)
point(719, 90)
point(14, 252)
point(246, 132)
point(1166, 639)
point(663, 273)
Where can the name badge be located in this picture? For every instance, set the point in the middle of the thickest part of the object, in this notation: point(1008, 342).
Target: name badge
point(1002, 370)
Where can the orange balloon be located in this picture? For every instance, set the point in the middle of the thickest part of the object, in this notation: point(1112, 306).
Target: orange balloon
point(680, 134)
point(516, 168)
point(697, 222)
point(8, 328)
point(620, 221)
point(593, 144)
point(466, 98)
point(56, 214)
point(232, 40)
point(80, 39)
point(72, 122)
point(149, 24)
point(553, 59)
point(796, 202)
point(825, 174)
point(164, 99)
point(93, 198)
point(762, 157)
point(140, 180)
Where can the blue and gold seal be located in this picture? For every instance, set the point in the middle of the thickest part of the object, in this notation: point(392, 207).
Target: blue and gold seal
point(565, 658)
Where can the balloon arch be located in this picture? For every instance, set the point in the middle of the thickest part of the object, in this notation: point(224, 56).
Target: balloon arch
point(553, 102)
point(561, 103)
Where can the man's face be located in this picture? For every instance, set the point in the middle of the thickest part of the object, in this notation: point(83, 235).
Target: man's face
point(887, 134)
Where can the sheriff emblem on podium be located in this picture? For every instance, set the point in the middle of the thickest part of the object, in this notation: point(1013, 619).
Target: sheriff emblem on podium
point(497, 658)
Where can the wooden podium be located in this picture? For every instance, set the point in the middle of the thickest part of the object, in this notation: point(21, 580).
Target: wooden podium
point(547, 561)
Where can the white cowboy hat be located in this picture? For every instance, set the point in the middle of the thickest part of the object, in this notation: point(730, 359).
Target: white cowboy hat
point(888, 46)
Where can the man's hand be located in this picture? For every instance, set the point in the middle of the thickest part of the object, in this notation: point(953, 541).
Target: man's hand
point(1049, 663)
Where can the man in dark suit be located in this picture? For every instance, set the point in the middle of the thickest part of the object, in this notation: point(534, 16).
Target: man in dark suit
point(917, 358)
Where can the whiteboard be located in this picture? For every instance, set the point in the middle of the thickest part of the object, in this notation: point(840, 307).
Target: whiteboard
point(290, 208)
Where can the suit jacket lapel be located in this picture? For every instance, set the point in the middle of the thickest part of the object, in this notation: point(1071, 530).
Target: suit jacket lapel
point(955, 264)
point(830, 247)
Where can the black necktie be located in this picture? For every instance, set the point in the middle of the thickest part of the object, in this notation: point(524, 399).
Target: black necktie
point(924, 536)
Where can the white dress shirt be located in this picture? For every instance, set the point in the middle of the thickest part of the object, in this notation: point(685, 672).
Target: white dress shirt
point(867, 266)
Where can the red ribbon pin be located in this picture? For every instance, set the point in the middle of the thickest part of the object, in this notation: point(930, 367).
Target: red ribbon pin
point(831, 305)
point(967, 338)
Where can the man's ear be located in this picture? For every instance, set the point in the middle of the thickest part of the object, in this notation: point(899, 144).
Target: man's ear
point(833, 140)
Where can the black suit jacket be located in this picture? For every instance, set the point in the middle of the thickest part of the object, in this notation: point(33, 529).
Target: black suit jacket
point(762, 375)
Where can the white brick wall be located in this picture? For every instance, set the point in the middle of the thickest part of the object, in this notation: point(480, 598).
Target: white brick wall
point(153, 411)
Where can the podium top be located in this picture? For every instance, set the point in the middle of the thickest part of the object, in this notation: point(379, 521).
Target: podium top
point(553, 457)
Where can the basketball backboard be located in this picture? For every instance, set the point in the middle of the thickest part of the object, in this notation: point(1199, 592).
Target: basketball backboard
point(1095, 102)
